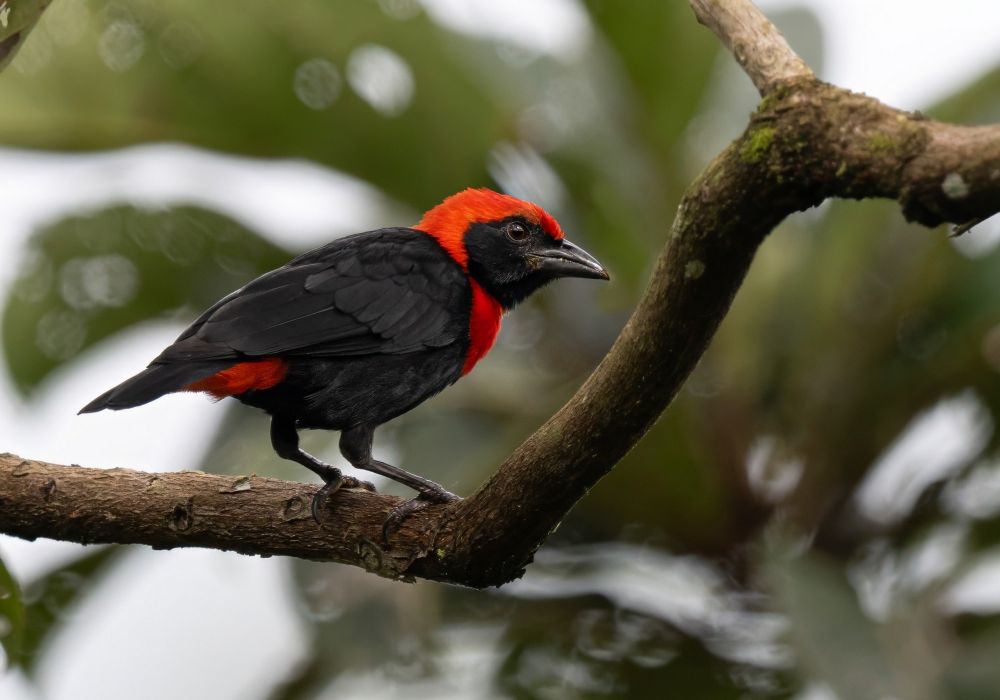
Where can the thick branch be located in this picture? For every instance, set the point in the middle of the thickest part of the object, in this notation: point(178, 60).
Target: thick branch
point(806, 142)
point(246, 514)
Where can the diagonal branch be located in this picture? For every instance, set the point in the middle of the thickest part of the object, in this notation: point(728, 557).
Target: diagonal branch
point(806, 142)
point(757, 45)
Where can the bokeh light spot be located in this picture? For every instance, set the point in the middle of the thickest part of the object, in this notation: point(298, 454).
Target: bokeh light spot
point(121, 45)
point(60, 334)
point(317, 83)
point(382, 78)
point(400, 9)
point(107, 280)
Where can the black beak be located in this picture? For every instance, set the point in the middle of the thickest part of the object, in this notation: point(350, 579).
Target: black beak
point(569, 260)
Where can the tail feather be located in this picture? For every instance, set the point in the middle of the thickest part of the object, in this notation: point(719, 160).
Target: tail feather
point(152, 383)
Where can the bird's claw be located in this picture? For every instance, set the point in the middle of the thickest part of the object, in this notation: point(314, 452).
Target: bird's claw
point(397, 515)
point(322, 494)
point(349, 482)
point(331, 487)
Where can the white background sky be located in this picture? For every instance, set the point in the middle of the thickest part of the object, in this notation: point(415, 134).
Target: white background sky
point(906, 52)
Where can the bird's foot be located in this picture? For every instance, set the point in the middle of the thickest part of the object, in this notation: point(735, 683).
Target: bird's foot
point(400, 513)
point(334, 483)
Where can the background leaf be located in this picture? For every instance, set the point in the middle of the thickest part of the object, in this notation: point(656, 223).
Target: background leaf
point(13, 615)
point(47, 601)
point(90, 276)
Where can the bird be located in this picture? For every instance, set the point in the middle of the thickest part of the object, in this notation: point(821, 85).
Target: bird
point(361, 330)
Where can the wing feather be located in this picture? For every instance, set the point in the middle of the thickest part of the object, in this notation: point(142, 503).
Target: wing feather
point(390, 291)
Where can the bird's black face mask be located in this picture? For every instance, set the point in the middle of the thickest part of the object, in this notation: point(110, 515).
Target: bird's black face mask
point(512, 258)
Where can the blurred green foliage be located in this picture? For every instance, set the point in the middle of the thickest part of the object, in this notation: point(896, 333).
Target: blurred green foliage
point(48, 601)
point(748, 559)
point(88, 277)
point(12, 615)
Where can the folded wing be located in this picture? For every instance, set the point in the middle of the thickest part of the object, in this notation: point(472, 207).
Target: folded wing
point(391, 291)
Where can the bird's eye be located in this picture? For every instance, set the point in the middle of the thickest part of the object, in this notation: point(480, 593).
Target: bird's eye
point(516, 231)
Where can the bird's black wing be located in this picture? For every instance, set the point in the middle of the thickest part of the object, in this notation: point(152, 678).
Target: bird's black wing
point(389, 291)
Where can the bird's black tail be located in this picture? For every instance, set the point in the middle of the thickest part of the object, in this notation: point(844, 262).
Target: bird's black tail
point(152, 383)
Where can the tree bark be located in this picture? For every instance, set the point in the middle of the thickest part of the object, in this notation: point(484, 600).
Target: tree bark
point(807, 141)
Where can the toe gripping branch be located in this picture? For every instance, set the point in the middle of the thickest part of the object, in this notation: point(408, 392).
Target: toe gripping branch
point(335, 482)
point(394, 520)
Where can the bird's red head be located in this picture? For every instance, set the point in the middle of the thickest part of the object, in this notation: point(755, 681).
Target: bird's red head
point(508, 248)
point(507, 245)
point(449, 221)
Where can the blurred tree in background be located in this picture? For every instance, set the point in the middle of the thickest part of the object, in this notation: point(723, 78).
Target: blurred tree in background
point(809, 517)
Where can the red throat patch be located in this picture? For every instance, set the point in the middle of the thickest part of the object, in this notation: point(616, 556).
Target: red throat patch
point(484, 326)
point(243, 377)
point(448, 222)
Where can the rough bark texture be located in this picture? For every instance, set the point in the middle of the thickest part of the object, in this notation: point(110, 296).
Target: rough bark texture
point(246, 514)
point(806, 142)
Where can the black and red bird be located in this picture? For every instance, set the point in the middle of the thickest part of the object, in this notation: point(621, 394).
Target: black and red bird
point(361, 330)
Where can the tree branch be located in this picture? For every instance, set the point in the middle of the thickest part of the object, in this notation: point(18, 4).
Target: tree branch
point(16, 20)
point(246, 514)
point(806, 142)
point(757, 45)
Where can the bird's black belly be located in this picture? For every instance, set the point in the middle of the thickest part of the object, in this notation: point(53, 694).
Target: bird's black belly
point(338, 393)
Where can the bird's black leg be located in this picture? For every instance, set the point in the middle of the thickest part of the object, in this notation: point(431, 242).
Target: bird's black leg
point(356, 446)
point(285, 441)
